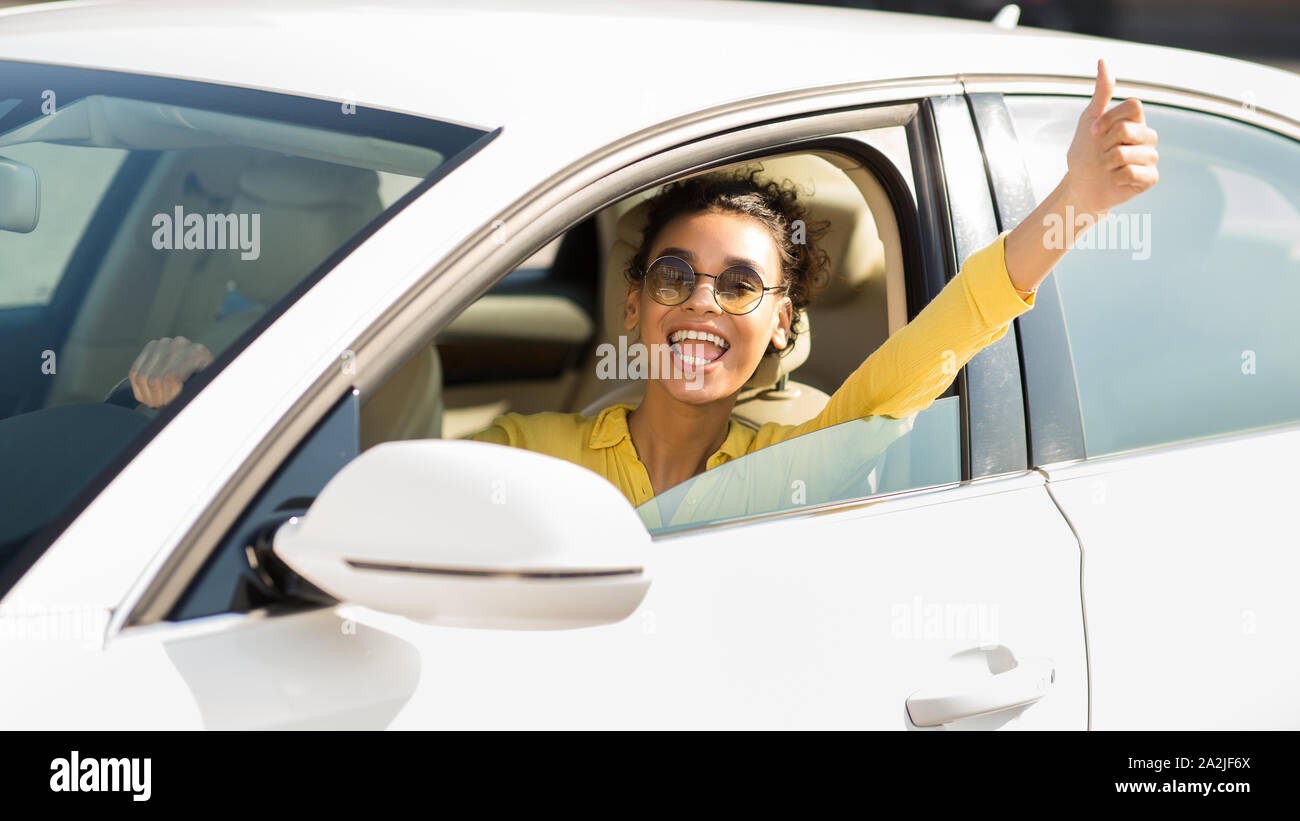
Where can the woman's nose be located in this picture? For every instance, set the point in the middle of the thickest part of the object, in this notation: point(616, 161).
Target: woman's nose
point(702, 298)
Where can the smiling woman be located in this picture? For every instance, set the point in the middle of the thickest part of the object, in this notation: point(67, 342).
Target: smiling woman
point(750, 241)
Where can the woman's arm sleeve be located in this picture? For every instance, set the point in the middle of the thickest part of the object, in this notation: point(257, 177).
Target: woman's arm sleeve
point(504, 430)
point(916, 364)
point(495, 434)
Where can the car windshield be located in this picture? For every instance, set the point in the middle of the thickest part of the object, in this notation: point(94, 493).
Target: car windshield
point(135, 209)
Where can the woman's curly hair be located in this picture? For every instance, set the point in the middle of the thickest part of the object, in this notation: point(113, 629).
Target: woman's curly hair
point(805, 266)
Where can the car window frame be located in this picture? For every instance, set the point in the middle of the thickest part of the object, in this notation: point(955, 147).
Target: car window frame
point(725, 134)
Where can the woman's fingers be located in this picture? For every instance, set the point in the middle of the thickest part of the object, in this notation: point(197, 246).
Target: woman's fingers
point(1122, 155)
point(143, 365)
point(1102, 91)
point(1130, 110)
point(1137, 177)
point(1127, 132)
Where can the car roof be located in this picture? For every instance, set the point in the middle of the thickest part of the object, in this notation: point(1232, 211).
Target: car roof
point(579, 64)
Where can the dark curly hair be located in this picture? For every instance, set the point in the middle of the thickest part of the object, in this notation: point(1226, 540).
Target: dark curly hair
point(805, 266)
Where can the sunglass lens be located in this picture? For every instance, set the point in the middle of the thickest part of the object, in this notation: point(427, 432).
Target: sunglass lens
point(670, 280)
point(739, 288)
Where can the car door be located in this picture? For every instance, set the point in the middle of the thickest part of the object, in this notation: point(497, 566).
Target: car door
point(958, 588)
point(1163, 388)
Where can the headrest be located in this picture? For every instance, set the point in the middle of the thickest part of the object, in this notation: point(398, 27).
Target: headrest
point(306, 209)
point(303, 182)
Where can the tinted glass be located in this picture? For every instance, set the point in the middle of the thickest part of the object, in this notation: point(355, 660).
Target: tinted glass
point(1180, 308)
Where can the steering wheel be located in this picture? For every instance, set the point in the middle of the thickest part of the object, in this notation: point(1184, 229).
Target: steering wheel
point(123, 395)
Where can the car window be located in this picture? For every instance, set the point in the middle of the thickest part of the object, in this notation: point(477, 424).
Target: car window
point(1179, 308)
point(858, 459)
point(137, 208)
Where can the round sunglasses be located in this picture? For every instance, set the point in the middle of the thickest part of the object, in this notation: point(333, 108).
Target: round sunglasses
point(737, 290)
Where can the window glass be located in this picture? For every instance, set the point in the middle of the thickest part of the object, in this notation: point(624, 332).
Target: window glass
point(72, 182)
point(853, 460)
point(134, 208)
point(1180, 307)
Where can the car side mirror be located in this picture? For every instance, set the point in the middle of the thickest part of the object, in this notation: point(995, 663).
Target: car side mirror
point(472, 534)
point(20, 197)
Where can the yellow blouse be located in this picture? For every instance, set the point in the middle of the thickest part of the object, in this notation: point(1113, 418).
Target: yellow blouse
point(901, 377)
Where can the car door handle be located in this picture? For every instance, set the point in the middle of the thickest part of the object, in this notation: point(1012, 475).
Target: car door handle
point(1024, 683)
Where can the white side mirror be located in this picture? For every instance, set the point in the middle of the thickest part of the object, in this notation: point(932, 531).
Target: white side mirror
point(471, 534)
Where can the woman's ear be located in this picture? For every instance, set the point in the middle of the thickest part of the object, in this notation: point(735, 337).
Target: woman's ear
point(784, 321)
point(632, 307)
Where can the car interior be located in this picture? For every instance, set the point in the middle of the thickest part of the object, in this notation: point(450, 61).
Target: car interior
point(309, 190)
point(530, 343)
point(212, 298)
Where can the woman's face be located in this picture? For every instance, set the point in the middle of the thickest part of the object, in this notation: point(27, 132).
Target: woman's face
point(711, 242)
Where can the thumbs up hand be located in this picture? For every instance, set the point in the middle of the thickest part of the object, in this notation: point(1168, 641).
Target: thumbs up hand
point(1113, 155)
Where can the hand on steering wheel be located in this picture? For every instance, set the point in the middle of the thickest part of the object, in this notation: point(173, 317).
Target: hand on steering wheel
point(159, 372)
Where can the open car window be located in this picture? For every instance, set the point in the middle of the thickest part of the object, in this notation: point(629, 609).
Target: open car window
point(858, 459)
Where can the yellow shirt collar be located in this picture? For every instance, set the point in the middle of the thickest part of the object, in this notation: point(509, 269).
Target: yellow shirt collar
point(611, 428)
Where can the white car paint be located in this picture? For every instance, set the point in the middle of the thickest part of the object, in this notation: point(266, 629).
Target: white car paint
point(1191, 561)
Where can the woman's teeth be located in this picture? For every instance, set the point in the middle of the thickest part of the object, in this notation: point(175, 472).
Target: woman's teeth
point(710, 345)
point(678, 336)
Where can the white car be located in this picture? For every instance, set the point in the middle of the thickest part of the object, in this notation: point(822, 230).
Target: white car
point(391, 224)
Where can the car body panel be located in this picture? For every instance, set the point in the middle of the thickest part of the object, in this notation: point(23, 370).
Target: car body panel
point(1190, 558)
